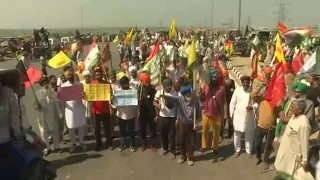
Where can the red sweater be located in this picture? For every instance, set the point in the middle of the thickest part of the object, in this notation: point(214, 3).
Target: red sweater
point(100, 107)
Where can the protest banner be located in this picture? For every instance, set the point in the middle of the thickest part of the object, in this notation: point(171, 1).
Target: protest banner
point(97, 92)
point(125, 97)
point(70, 93)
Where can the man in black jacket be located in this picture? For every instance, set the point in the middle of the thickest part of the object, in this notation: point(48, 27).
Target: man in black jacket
point(147, 111)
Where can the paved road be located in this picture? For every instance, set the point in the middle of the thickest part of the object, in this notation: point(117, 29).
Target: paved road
point(110, 164)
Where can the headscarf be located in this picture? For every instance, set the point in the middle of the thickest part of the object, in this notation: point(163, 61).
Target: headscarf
point(145, 78)
point(86, 73)
point(214, 73)
point(166, 83)
point(267, 70)
point(186, 90)
point(301, 87)
point(132, 68)
point(121, 75)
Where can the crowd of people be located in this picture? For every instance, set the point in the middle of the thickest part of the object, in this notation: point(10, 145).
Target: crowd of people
point(178, 108)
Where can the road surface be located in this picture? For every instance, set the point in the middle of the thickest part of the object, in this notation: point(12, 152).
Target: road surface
point(113, 165)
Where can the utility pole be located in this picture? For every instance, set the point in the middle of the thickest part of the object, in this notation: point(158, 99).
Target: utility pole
point(211, 16)
point(283, 12)
point(249, 21)
point(160, 23)
point(239, 20)
point(81, 16)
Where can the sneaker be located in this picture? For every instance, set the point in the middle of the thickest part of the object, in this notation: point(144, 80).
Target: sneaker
point(164, 152)
point(181, 160)
point(121, 149)
point(83, 147)
point(46, 152)
point(73, 148)
point(132, 149)
point(190, 162)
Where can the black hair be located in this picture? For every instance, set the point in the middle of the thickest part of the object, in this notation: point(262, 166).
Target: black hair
point(124, 80)
point(245, 78)
point(43, 80)
point(67, 68)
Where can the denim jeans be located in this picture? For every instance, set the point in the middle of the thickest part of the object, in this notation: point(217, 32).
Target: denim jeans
point(127, 130)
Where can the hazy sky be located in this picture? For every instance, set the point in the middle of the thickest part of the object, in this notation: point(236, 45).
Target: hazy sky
point(124, 13)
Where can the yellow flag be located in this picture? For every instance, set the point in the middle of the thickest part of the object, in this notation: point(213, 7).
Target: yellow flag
point(279, 50)
point(192, 53)
point(116, 39)
point(172, 32)
point(129, 36)
point(59, 60)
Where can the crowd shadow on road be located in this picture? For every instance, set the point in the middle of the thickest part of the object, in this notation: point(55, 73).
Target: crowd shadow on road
point(73, 159)
point(226, 150)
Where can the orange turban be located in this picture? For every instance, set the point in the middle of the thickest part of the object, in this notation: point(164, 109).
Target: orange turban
point(145, 78)
point(267, 71)
point(225, 73)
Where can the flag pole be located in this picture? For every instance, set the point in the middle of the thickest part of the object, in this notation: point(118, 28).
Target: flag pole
point(26, 74)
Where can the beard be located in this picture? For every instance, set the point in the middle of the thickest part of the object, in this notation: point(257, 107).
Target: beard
point(214, 83)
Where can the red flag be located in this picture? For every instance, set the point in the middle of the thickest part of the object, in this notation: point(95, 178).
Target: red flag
point(34, 75)
point(154, 51)
point(297, 63)
point(276, 89)
point(218, 68)
point(282, 28)
point(106, 54)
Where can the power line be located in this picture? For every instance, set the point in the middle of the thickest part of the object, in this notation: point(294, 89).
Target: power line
point(283, 13)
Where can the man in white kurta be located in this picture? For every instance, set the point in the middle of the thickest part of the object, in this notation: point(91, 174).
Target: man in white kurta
point(74, 113)
point(294, 146)
point(48, 109)
point(243, 119)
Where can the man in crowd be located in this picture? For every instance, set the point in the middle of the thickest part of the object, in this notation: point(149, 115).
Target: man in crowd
point(147, 111)
point(166, 115)
point(74, 112)
point(294, 146)
point(213, 97)
point(265, 127)
point(243, 119)
point(101, 112)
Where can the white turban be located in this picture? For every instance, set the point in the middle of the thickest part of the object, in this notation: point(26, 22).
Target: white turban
point(86, 73)
point(131, 68)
